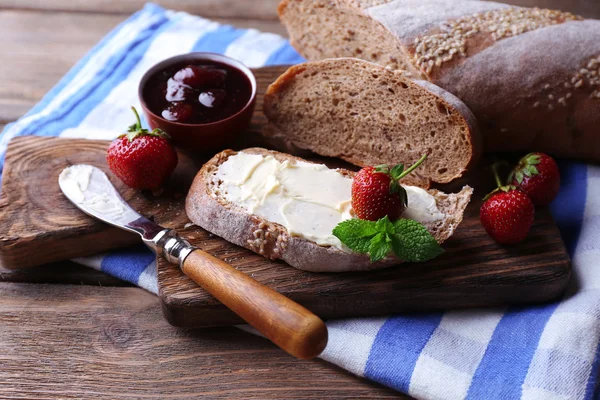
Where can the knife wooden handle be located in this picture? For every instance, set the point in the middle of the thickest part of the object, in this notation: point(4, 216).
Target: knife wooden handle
point(285, 322)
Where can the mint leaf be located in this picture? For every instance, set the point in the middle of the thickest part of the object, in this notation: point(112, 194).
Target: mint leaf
point(380, 246)
point(385, 225)
point(409, 240)
point(356, 234)
point(412, 242)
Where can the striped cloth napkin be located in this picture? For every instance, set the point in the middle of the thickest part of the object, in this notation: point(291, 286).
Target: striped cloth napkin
point(541, 352)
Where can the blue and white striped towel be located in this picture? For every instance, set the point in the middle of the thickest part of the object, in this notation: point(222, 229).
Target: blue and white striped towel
point(541, 352)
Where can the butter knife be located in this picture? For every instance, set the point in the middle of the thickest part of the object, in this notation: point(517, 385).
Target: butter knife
point(286, 323)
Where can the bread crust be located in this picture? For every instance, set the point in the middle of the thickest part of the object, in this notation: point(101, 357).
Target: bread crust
point(206, 209)
point(530, 85)
point(280, 139)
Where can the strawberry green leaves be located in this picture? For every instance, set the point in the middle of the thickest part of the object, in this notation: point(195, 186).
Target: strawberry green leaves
point(527, 167)
point(397, 173)
point(407, 239)
point(136, 129)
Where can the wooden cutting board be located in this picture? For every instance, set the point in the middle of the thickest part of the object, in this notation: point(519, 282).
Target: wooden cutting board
point(38, 225)
point(34, 215)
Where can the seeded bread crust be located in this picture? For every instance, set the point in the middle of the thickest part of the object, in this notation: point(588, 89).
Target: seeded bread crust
point(530, 76)
point(206, 208)
point(368, 115)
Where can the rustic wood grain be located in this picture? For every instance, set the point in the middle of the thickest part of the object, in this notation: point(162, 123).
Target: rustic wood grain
point(39, 225)
point(35, 214)
point(66, 341)
point(63, 272)
point(255, 9)
point(244, 9)
point(38, 48)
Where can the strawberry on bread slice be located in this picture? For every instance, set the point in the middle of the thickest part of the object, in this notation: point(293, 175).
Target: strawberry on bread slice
point(284, 207)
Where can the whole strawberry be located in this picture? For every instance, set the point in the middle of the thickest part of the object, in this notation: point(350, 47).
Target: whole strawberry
point(507, 214)
point(537, 175)
point(142, 159)
point(376, 192)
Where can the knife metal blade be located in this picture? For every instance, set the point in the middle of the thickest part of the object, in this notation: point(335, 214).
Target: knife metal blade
point(88, 188)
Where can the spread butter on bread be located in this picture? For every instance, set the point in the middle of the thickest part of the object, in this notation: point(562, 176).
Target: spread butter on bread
point(283, 207)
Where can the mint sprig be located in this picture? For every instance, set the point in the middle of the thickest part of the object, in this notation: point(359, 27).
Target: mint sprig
point(409, 240)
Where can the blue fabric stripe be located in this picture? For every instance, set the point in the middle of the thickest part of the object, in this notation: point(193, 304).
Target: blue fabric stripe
point(397, 347)
point(115, 71)
point(593, 385)
point(285, 55)
point(569, 206)
point(218, 40)
point(128, 264)
point(505, 363)
point(32, 128)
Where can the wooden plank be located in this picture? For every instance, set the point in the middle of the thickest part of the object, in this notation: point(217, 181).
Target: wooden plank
point(35, 215)
point(64, 272)
point(65, 341)
point(255, 9)
point(35, 54)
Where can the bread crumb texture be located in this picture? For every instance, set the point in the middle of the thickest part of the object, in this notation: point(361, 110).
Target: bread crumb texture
point(349, 32)
point(368, 115)
point(452, 38)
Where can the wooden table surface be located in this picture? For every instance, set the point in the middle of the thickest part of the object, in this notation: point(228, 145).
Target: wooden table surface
point(70, 332)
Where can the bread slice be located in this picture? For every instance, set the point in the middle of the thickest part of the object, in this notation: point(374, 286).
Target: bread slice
point(207, 208)
point(368, 115)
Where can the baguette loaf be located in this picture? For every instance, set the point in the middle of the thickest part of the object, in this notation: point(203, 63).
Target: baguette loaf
point(530, 76)
point(369, 115)
point(207, 207)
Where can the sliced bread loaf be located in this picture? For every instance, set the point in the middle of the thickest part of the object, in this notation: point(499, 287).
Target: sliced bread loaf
point(368, 115)
point(208, 207)
point(531, 76)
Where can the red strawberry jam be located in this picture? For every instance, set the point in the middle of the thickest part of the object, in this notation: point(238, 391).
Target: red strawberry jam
point(198, 94)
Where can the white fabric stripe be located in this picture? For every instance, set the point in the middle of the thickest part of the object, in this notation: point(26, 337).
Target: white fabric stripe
point(110, 118)
point(530, 393)
point(148, 279)
point(582, 330)
point(94, 65)
point(350, 343)
point(94, 262)
point(437, 380)
point(477, 325)
point(585, 270)
point(254, 48)
point(436, 373)
point(592, 202)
